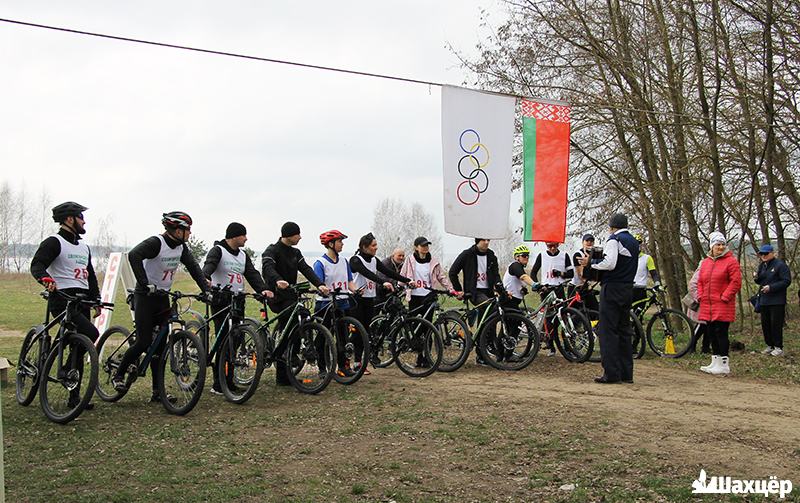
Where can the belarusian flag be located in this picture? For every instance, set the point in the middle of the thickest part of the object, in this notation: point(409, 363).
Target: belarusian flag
point(545, 133)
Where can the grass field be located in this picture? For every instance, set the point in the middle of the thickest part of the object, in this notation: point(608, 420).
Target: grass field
point(546, 433)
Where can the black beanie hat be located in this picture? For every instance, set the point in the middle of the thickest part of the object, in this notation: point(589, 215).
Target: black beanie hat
point(235, 229)
point(289, 229)
point(618, 221)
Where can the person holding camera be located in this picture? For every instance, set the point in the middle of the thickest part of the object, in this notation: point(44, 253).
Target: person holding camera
point(581, 276)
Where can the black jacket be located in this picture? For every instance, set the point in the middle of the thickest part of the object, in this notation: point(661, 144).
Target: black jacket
point(467, 262)
point(283, 262)
point(250, 273)
point(776, 274)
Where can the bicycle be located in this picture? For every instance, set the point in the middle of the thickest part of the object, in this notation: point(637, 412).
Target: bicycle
point(454, 331)
point(573, 336)
point(669, 332)
point(181, 372)
point(55, 366)
point(238, 352)
point(414, 344)
point(638, 343)
point(309, 352)
point(352, 339)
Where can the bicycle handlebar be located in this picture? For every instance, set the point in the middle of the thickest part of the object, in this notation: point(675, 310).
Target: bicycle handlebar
point(81, 298)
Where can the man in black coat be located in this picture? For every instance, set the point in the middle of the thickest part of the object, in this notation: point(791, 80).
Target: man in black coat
point(774, 277)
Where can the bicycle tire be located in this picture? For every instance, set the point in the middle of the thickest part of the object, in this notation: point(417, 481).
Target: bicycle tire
point(682, 337)
point(423, 349)
point(27, 378)
point(578, 339)
point(242, 350)
point(594, 319)
point(381, 355)
point(521, 355)
point(638, 342)
point(457, 341)
point(183, 349)
point(304, 356)
point(353, 331)
point(49, 387)
point(109, 354)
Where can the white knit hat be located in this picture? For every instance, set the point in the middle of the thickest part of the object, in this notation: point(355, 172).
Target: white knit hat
point(716, 238)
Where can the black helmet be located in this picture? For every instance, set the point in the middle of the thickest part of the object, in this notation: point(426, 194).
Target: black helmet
point(176, 219)
point(68, 209)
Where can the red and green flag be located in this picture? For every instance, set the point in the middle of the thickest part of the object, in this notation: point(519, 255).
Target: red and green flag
point(545, 133)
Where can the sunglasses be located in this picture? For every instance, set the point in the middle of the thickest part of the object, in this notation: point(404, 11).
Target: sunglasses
point(764, 253)
point(526, 255)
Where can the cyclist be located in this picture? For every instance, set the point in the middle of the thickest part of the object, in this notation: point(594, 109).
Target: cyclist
point(335, 273)
point(368, 272)
point(556, 268)
point(645, 265)
point(228, 265)
point(582, 276)
point(154, 262)
point(514, 280)
point(480, 272)
point(425, 272)
point(63, 263)
point(280, 263)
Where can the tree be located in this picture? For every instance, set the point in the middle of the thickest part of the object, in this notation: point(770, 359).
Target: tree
point(104, 242)
point(396, 225)
point(198, 249)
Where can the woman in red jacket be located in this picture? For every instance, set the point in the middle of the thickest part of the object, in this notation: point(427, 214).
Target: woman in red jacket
point(719, 282)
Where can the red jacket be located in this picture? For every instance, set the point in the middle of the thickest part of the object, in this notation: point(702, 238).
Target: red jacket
point(719, 282)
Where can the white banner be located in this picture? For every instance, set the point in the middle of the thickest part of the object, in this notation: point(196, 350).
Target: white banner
point(477, 142)
point(118, 266)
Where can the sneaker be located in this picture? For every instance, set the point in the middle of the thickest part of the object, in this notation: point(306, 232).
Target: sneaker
point(215, 391)
point(345, 372)
point(552, 352)
point(157, 398)
point(777, 352)
point(119, 384)
point(768, 350)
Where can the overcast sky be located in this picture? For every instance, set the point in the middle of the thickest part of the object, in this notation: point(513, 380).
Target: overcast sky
point(132, 131)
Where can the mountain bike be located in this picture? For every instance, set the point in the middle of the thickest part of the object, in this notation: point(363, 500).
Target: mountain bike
point(237, 346)
point(561, 322)
point(414, 344)
point(350, 335)
point(181, 372)
point(456, 335)
point(304, 344)
point(669, 332)
point(54, 366)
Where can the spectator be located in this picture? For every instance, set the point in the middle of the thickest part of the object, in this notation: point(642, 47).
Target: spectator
point(719, 281)
point(774, 277)
point(692, 307)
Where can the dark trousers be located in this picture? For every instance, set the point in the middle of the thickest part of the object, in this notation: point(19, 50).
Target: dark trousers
point(616, 334)
point(701, 332)
point(221, 330)
point(56, 305)
point(718, 332)
point(419, 304)
point(772, 318)
point(363, 312)
point(638, 294)
point(553, 321)
point(513, 326)
point(280, 365)
point(150, 311)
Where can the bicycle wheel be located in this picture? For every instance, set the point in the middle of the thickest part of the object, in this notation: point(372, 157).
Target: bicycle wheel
point(670, 333)
point(111, 347)
point(638, 340)
point(181, 372)
point(509, 341)
point(240, 363)
point(352, 339)
point(594, 319)
point(67, 384)
point(311, 357)
point(456, 340)
point(381, 355)
point(576, 335)
point(27, 379)
point(417, 347)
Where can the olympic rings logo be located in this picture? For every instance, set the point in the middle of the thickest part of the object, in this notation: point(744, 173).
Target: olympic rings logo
point(475, 159)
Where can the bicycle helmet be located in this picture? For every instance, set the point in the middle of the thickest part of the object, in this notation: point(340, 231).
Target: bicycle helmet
point(68, 209)
point(519, 250)
point(329, 236)
point(176, 219)
point(638, 237)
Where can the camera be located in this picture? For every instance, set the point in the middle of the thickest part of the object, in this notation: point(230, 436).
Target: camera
point(590, 274)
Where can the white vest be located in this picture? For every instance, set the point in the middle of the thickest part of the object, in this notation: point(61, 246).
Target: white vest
point(161, 269)
point(335, 275)
point(71, 268)
point(513, 284)
point(577, 280)
point(549, 263)
point(482, 281)
point(366, 285)
point(640, 280)
point(422, 279)
point(230, 270)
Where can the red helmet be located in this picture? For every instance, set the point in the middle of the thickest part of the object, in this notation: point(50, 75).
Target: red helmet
point(331, 235)
point(176, 219)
